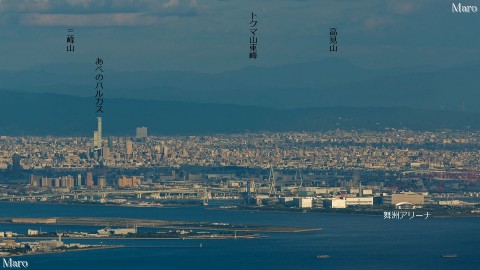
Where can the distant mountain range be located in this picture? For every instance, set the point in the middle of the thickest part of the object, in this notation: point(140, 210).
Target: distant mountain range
point(331, 82)
point(59, 115)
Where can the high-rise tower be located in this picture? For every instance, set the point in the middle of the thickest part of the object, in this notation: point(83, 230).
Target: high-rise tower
point(97, 135)
point(89, 181)
point(141, 133)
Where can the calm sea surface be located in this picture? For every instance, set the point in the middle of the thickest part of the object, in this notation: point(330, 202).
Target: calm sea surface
point(352, 241)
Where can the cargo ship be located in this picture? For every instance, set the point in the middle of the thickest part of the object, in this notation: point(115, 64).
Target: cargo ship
point(449, 256)
point(323, 256)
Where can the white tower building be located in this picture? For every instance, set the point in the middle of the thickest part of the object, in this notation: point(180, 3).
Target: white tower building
point(97, 135)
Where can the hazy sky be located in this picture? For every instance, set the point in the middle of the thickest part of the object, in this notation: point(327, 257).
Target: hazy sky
point(213, 35)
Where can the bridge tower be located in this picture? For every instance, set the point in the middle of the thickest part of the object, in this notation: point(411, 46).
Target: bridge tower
point(298, 178)
point(272, 182)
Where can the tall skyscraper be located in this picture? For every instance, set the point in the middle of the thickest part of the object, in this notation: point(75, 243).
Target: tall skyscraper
point(89, 179)
point(141, 133)
point(106, 152)
point(79, 180)
point(97, 135)
point(129, 149)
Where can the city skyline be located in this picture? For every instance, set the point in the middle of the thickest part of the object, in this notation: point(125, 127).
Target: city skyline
point(390, 150)
point(222, 134)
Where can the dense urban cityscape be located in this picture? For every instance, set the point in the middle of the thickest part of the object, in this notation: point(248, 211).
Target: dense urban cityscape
point(395, 174)
point(318, 170)
point(391, 150)
point(194, 134)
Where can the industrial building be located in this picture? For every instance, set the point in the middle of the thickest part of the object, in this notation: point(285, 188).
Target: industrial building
point(303, 202)
point(32, 232)
point(122, 231)
point(410, 197)
point(133, 181)
point(335, 203)
point(351, 201)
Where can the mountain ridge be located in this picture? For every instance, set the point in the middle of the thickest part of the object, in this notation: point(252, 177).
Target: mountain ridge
point(68, 115)
point(330, 82)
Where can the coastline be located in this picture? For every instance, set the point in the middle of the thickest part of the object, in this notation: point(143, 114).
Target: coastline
point(221, 237)
point(265, 209)
point(329, 212)
point(152, 223)
point(64, 251)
